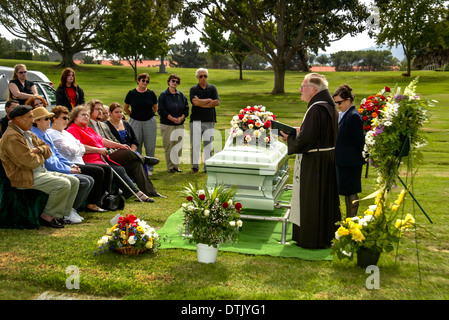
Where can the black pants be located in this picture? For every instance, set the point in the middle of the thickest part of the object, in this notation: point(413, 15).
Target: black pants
point(102, 175)
point(134, 168)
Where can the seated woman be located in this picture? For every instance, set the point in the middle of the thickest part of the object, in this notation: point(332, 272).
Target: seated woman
point(95, 149)
point(36, 102)
point(57, 163)
point(120, 128)
point(72, 149)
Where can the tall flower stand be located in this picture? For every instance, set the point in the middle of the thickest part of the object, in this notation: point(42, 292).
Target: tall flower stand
point(206, 253)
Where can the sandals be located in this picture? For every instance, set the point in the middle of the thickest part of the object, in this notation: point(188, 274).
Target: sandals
point(143, 198)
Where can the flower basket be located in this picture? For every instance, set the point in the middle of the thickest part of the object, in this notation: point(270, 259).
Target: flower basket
point(129, 236)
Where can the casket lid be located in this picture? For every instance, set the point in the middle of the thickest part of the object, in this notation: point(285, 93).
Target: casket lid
point(250, 157)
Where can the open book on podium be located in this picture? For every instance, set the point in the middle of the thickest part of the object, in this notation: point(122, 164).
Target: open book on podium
point(279, 126)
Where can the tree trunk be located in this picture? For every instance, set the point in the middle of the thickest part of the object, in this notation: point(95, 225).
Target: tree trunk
point(279, 78)
point(241, 70)
point(67, 60)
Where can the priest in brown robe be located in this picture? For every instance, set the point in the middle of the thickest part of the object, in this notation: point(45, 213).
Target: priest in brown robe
point(315, 204)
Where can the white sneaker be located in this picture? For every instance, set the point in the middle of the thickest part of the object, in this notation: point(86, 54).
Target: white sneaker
point(74, 217)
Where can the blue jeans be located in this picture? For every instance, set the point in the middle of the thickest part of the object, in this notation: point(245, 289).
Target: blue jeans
point(146, 132)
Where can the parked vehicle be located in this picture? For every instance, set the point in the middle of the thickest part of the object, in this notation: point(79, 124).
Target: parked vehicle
point(43, 85)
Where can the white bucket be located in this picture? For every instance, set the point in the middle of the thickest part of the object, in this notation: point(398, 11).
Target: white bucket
point(206, 253)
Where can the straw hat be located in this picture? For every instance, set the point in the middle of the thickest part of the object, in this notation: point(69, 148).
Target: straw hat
point(42, 112)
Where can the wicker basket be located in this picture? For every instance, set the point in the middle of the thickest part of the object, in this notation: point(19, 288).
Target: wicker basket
point(128, 250)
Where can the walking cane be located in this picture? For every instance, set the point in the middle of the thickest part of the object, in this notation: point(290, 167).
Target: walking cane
point(118, 176)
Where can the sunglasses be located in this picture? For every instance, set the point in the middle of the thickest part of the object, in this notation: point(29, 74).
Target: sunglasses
point(22, 72)
point(339, 102)
point(64, 118)
point(175, 81)
point(202, 76)
point(147, 81)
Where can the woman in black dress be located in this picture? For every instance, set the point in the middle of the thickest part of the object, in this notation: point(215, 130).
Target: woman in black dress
point(348, 150)
point(69, 93)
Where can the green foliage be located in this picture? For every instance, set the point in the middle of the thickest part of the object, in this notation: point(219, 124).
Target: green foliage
point(211, 216)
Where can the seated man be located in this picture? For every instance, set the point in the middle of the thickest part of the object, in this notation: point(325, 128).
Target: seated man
point(9, 105)
point(131, 161)
point(23, 156)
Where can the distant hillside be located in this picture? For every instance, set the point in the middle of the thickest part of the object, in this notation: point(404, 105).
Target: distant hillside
point(397, 52)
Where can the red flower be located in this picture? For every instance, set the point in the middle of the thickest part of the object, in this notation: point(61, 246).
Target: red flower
point(387, 89)
point(238, 206)
point(225, 205)
point(365, 118)
point(189, 198)
point(267, 124)
point(202, 196)
point(241, 116)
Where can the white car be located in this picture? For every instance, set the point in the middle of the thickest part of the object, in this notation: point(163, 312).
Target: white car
point(43, 85)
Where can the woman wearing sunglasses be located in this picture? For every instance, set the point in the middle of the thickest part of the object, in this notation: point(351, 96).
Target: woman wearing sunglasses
point(73, 150)
point(20, 88)
point(173, 109)
point(141, 106)
point(348, 150)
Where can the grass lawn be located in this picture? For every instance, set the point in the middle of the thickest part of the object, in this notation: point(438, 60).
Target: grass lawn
point(34, 261)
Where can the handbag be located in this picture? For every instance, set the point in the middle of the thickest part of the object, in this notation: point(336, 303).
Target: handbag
point(114, 201)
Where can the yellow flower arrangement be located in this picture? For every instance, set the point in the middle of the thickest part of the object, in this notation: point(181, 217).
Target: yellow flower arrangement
point(374, 230)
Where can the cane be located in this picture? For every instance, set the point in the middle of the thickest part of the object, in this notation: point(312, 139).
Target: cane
point(118, 176)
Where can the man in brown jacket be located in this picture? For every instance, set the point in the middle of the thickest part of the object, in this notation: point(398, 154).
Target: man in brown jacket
point(23, 156)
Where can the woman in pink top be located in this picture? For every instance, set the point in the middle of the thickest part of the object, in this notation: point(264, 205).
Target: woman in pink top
point(95, 148)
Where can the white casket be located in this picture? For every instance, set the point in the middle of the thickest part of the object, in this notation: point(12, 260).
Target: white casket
point(259, 172)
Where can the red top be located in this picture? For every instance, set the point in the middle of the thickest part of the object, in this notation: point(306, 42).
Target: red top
point(88, 136)
point(72, 95)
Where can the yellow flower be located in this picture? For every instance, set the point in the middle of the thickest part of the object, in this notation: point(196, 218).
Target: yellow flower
point(113, 228)
point(149, 243)
point(357, 235)
point(401, 197)
point(140, 229)
point(342, 231)
point(405, 224)
point(378, 211)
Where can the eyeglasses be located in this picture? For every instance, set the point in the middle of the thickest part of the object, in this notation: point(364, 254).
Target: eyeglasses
point(202, 76)
point(143, 80)
point(339, 102)
point(22, 72)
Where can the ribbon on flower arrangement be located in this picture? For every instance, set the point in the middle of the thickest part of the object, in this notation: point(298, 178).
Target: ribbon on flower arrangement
point(129, 219)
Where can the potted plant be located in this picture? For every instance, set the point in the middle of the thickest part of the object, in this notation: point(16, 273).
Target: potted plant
point(211, 217)
point(129, 236)
point(377, 231)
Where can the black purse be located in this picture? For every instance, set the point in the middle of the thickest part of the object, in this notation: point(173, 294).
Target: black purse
point(114, 201)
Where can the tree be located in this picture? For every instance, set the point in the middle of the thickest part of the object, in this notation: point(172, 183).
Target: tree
point(65, 26)
point(323, 59)
point(277, 29)
point(217, 43)
point(187, 55)
point(135, 29)
point(405, 22)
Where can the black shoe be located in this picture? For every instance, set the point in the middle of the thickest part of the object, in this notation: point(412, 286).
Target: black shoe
point(52, 224)
point(157, 194)
point(177, 170)
point(194, 170)
point(151, 161)
point(171, 171)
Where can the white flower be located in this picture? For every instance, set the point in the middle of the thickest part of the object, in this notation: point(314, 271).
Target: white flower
point(239, 223)
point(257, 133)
point(103, 240)
point(206, 212)
point(346, 253)
point(232, 223)
point(337, 236)
point(201, 191)
point(239, 132)
point(132, 240)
